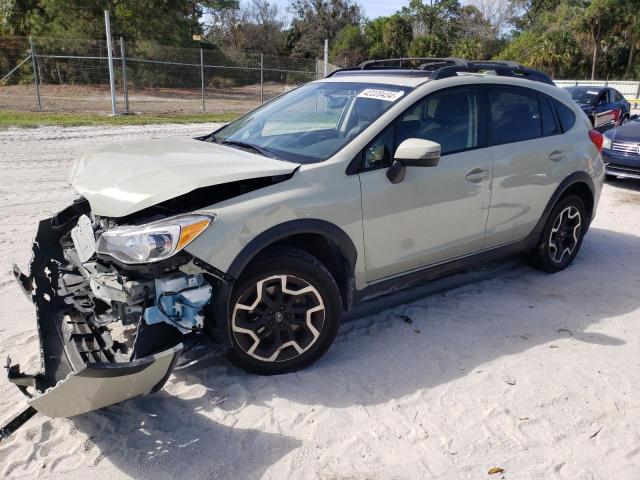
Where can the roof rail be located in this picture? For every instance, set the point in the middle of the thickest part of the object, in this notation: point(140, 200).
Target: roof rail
point(421, 61)
point(439, 68)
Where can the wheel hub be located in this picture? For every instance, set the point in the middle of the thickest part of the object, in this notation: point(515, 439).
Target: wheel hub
point(565, 234)
point(278, 318)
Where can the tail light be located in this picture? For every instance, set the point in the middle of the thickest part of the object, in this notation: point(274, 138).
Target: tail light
point(597, 138)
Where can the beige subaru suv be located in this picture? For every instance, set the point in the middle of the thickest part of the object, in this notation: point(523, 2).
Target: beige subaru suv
point(262, 233)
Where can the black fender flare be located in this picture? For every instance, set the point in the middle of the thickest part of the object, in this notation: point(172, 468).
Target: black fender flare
point(328, 230)
point(334, 234)
point(573, 179)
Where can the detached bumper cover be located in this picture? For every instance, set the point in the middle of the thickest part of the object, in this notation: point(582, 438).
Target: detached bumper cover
point(82, 369)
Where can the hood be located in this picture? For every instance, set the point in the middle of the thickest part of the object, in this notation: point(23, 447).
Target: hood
point(629, 132)
point(123, 178)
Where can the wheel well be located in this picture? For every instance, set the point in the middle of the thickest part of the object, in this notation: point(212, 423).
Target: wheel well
point(328, 253)
point(583, 191)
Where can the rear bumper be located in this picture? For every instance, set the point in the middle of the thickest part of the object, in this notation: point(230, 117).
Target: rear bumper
point(82, 368)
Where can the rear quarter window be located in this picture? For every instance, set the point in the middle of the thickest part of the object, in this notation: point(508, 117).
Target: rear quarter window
point(565, 115)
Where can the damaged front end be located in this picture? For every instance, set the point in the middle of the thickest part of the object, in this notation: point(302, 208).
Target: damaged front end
point(108, 332)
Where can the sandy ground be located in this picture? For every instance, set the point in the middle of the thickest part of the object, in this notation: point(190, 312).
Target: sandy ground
point(537, 374)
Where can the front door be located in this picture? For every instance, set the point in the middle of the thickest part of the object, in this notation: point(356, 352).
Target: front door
point(436, 213)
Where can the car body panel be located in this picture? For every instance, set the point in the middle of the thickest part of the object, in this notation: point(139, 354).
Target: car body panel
point(125, 177)
point(527, 173)
point(443, 214)
point(94, 388)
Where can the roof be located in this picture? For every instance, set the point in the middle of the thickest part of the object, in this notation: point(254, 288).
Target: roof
point(400, 71)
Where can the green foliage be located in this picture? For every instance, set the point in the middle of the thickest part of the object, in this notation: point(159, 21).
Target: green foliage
point(580, 38)
point(396, 35)
point(317, 20)
point(351, 47)
point(468, 48)
point(429, 46)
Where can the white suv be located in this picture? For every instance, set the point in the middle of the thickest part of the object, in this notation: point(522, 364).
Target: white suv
point(265, 231)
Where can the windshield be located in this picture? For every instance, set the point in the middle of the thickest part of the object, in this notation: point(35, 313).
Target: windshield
point(583, 96)
point(311, 123)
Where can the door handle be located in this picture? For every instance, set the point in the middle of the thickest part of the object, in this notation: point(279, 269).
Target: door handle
point(556, 155)
point(477, 175)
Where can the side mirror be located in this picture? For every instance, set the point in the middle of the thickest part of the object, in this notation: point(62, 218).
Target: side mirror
point(413, 152)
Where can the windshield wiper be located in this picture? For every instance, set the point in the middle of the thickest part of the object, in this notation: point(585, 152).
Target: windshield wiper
point(261, 150)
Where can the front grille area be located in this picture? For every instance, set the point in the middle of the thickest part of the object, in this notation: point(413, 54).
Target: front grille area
point(626, 148)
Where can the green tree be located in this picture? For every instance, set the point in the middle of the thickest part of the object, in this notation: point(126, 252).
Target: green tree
point(317, 20)
point(396, 35)
point(467, 48)
point(429, 46)
point(600, 18)
point(351, 47)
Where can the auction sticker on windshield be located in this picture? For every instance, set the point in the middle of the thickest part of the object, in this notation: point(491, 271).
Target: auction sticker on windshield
point(377, 94)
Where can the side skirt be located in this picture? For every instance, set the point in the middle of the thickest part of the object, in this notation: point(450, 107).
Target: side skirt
point(438, 270)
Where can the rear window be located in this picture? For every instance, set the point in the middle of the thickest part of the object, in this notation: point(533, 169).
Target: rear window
point(566, 116)
point(515, 115)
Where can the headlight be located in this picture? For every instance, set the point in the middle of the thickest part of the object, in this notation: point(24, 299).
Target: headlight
point(606, 142)
point(153, 241)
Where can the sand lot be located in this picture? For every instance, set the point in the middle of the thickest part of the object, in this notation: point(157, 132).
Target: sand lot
point(537, 374)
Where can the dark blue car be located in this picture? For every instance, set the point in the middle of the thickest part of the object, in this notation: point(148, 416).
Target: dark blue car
point(621, 150)
point(606, 107)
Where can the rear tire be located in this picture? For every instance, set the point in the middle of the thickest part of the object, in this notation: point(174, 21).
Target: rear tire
point(561, 237)
point(284, 313)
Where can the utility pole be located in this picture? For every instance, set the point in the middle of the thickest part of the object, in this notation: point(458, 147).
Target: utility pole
point(34, 64)
point(202, 78)
point(112, 81)
point(261, 78)
point(124, 76)
point(326, 56)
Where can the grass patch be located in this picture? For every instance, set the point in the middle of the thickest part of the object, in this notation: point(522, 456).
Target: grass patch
point(36, 119)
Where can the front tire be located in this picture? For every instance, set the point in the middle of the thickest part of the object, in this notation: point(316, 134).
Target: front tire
point(561, 237)
point(284, 313)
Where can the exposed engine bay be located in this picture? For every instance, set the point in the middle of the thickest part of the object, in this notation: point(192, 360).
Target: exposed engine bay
point(118, 298)
point(108, 331)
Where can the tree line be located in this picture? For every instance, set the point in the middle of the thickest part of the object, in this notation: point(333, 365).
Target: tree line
point(566, 38)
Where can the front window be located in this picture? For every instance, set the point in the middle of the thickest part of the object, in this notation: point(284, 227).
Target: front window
point(313, 122)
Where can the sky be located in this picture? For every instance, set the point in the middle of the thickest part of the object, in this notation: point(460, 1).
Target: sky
point(372, 8)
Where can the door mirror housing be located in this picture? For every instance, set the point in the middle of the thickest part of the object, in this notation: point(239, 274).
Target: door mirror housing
point(413, 152)
point(416, 152)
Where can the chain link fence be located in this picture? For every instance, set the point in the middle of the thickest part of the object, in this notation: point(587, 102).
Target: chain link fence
point(630, 89)
point(73, 75)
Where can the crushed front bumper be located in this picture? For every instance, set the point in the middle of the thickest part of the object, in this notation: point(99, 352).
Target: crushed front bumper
point(82, 368)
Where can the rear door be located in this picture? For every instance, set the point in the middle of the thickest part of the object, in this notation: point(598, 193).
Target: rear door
point(529, 155)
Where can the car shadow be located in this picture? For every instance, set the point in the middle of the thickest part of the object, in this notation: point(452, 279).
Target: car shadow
point(624, 183)
point(387, 349)
point(431, 335)
point(164, 437)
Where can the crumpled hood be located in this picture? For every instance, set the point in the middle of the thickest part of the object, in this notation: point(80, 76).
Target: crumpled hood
point(123, 178)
